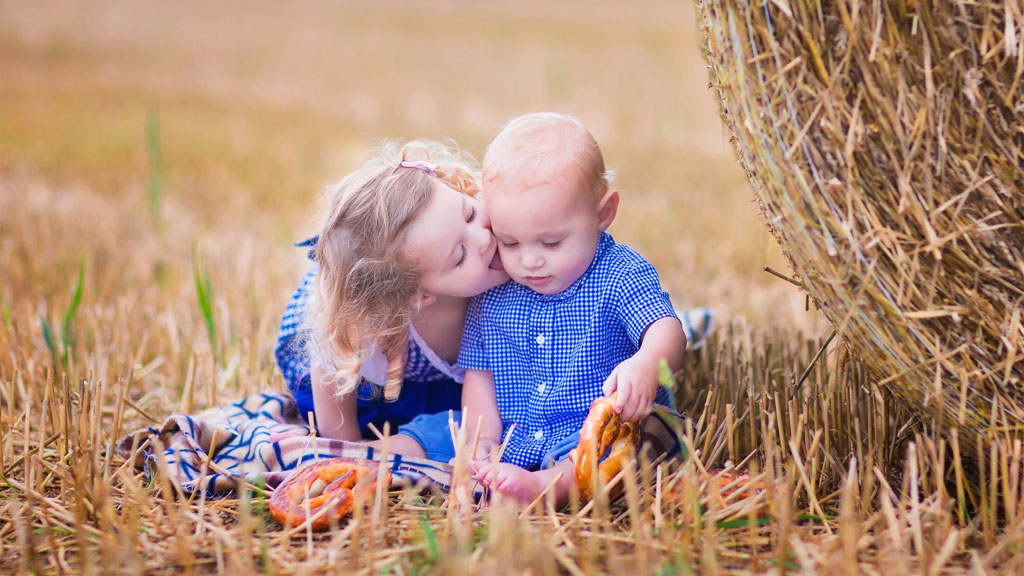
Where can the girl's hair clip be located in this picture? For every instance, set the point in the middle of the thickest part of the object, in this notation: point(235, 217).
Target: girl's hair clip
point(427, 167)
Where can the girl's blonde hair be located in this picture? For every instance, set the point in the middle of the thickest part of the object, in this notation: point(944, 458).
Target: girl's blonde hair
point(368, 281)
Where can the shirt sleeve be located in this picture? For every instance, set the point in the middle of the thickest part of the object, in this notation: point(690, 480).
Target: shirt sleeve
point(290, 350)
point(473, 350)
point(641, 300)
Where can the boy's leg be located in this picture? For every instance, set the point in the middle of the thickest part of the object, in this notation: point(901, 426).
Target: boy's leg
point(697, 323)
point(661, 435)
point(425, 436)
point(401, 444)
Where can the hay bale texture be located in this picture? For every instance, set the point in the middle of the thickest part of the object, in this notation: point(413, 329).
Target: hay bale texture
point(884, 141)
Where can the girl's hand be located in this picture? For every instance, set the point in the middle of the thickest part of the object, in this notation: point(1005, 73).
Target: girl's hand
point(636, 379)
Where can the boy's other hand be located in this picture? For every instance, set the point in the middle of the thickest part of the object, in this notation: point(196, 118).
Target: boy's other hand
point(484, 448)
point(637, 382)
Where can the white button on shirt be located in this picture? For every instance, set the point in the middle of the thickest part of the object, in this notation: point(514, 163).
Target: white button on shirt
point(540, 340)
point(538, 435)
point(541, 388)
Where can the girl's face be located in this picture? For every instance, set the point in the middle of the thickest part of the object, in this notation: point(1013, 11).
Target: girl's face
point(457, 252)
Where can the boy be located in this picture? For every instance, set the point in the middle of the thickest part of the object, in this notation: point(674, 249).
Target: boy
point(584, 316)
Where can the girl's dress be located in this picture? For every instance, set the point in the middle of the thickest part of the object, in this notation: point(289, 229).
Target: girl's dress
point(429, 384)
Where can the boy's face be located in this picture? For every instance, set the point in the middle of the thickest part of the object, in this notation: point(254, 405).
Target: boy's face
point(548, 232)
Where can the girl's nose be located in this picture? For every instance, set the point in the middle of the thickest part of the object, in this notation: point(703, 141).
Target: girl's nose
point(484, 237)
point(484, 234)
point(486, 241)
point(484, 218)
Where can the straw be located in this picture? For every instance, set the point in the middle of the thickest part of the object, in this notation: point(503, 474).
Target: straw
point(884, 142)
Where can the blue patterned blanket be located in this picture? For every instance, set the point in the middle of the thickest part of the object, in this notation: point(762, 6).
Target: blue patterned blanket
point(261, 439)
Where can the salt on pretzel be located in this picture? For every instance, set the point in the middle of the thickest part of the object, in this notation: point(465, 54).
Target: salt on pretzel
point(326, 484)
point(605, 445)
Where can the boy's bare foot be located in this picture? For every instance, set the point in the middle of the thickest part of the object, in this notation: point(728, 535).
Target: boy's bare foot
point(508, 480)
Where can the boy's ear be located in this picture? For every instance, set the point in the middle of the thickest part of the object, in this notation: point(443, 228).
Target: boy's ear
point(607, 207)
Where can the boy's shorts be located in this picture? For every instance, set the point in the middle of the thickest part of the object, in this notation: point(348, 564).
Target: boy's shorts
point(431, 432)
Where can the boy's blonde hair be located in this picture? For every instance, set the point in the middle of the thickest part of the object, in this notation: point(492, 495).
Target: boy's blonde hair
point(535, 146)
point(368, 281)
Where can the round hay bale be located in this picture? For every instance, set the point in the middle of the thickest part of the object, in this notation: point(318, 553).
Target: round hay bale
point(884, 141)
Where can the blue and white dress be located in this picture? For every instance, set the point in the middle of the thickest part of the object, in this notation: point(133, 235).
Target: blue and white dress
point(429, 384)
point(550, 354)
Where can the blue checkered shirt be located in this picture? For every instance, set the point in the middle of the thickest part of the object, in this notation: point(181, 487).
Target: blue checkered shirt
point(550, 354)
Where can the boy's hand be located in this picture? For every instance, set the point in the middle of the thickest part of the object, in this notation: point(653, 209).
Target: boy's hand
point(484, 448)
point(636, 379)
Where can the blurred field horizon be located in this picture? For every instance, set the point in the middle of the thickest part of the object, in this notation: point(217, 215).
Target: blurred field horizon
point(262, 104)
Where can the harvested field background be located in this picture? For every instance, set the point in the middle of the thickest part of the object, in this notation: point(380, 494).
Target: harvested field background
point(142, 143)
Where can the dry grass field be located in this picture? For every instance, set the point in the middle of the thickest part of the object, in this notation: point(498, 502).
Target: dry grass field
point(142, 142)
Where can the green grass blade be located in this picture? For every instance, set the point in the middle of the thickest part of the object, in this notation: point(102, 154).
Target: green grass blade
point(69, 316)
point(433, 550)
point(48, 336)
point(203, 295)
point(741, 522)
point(665, 374)
point(5, 311)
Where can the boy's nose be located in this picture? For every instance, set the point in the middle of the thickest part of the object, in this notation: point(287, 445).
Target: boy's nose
point(531, 260)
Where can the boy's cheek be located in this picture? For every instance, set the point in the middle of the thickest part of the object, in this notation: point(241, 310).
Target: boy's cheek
point(507, 254)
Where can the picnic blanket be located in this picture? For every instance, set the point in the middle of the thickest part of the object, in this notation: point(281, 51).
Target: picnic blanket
point(261, 438)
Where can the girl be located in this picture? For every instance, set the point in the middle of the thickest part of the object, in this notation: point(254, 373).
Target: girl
point(372, 333)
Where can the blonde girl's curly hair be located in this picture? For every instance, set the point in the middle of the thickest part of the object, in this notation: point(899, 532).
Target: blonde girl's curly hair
point(368, 279)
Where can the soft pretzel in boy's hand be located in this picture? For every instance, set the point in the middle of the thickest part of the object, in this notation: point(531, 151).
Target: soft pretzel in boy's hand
point(326, 484)
point(606, 444)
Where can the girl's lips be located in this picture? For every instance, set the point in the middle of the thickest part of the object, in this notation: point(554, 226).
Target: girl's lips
point(537, 280)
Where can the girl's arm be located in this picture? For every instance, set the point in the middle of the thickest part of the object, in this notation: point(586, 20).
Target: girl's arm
point(480, 403)
point(335, 417)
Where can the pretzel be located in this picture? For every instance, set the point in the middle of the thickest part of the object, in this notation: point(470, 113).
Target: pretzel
point(326, 484)
point(606, 440)
point(721, 485)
